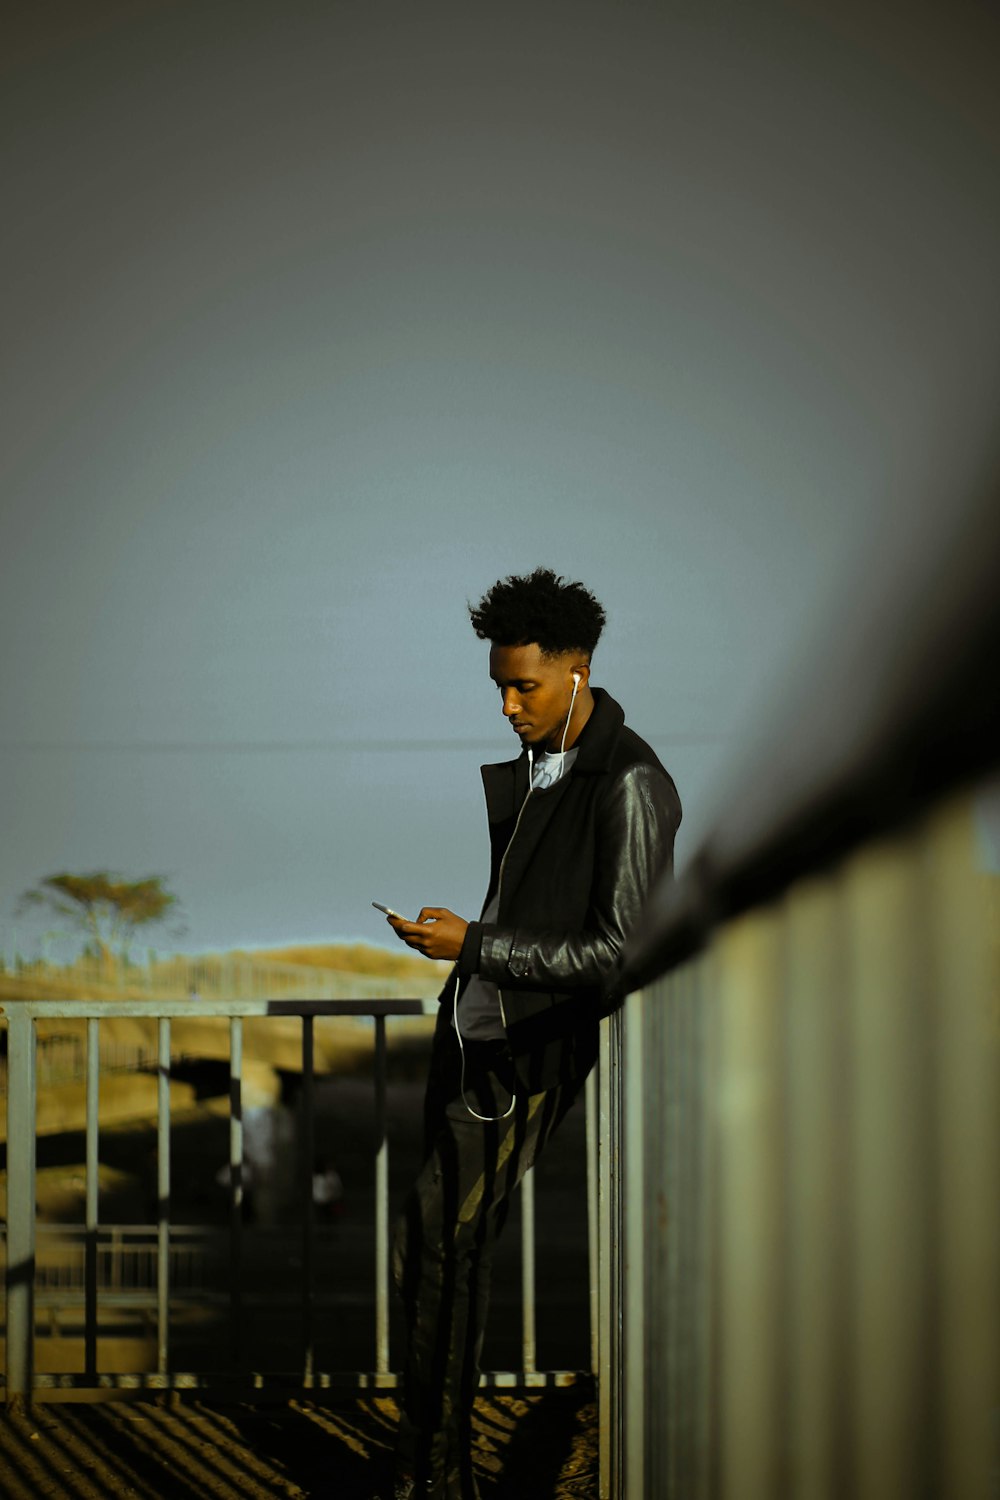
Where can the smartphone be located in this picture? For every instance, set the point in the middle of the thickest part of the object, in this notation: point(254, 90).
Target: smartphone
point(388, 910)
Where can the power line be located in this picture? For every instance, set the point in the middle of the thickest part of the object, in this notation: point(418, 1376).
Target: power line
point(281, 747)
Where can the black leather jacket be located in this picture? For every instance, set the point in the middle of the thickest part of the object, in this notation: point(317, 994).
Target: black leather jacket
point(574, 865)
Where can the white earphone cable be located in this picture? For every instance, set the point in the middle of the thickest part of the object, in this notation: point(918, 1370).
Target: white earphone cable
point(562, 747)
point(495, 1119)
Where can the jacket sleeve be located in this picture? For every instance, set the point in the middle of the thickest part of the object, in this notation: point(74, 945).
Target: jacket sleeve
point(635, 841)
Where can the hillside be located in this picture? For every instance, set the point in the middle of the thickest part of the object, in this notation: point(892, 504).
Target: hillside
point(356, 958)
point(299, 971)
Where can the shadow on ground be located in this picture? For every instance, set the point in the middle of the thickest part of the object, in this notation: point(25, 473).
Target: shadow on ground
point(541, 1444)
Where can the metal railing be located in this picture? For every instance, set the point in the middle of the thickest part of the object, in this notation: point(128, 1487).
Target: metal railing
point(126, 1267)
point(95, 1250)
point(806, 1274)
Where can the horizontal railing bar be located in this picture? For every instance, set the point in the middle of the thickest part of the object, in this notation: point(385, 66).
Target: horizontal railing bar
point(144, 1234)
point(73, 1297)
point(157, 1009)
point(56, 1299)
point(50, 1386)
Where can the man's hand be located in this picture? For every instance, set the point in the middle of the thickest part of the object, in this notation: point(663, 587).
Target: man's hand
point(437, 932)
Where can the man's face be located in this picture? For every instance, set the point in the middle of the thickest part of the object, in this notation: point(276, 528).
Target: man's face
point(536, 691)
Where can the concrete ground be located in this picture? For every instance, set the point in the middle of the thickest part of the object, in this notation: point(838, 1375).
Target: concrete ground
point(540, 1444)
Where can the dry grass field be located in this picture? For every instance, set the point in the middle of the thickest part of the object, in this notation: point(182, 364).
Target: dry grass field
point(271, 972)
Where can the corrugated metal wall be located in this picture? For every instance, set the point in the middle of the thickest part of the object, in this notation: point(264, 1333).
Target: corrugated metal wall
point(805, 1246)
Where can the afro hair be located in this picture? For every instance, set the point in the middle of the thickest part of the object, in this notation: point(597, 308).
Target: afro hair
point(540, 609)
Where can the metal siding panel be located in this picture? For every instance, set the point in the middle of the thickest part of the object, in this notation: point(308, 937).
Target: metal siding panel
point(818, 1094)
point(966, 966)
point(891, 1356)
point(749, 1131)
point(635, 1309)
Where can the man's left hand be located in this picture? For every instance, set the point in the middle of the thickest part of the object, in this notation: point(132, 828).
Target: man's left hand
point(437, 932)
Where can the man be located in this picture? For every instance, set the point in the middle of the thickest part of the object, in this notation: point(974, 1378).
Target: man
point(581, 824)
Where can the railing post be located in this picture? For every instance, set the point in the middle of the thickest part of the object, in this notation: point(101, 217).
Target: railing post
point(93, 1187)
point(381, 1205)
point(20, 1204)
point(528, 1332)
point(237, 1188)
point(163, 1199)
point(308, 1147)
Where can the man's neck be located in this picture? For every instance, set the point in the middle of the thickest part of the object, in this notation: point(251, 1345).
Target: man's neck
point(582, 710)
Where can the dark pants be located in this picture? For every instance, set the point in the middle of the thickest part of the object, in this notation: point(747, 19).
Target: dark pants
point(444, 1241)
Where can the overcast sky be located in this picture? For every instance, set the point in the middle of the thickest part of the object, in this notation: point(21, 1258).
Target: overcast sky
point(321, 317)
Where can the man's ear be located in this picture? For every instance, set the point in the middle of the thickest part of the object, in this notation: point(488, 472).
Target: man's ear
point(582, 670)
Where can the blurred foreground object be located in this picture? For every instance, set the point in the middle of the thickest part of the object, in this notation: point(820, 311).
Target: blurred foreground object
point(803, 1207)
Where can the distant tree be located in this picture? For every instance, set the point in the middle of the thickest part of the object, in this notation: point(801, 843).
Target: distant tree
point(105, 907)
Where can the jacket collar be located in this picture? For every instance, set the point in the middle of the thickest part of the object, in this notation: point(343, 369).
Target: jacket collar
point(506, 787)
point(506, 782)
point(597, 739)
point(600, 734)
